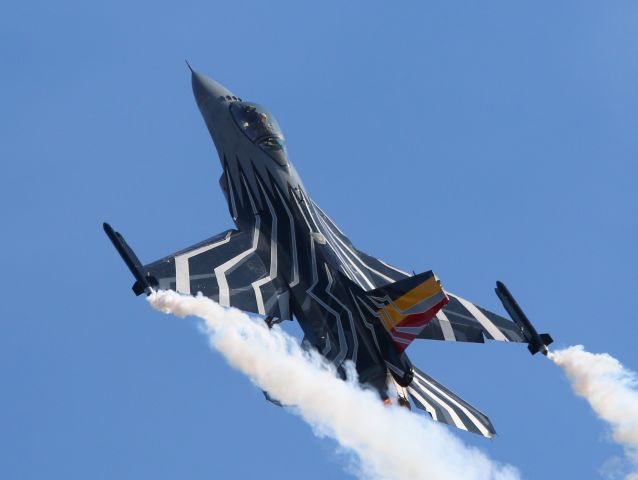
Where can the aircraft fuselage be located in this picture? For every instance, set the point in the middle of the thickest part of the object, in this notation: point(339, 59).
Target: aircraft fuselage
point(325, 275)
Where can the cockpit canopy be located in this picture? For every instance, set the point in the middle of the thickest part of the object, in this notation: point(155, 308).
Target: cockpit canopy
point(261, 128)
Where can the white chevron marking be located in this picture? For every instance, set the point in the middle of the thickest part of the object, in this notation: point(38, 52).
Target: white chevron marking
point(182, 269)
point(220, 271)
point(293, 242)
point(455, 417)
point(482, 319)
point(428, 407)
point(273, 256)
point(484, 431)
point(446, 326)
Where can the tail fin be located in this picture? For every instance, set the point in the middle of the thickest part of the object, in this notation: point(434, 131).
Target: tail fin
point(407, 306)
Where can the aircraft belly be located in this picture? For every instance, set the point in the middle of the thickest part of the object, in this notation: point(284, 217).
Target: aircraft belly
point(326, 312)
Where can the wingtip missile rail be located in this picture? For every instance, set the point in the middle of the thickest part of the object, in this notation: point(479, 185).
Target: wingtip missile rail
point(143, 284)
point(536, 342)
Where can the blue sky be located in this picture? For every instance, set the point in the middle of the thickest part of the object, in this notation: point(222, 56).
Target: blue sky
point(483, 140)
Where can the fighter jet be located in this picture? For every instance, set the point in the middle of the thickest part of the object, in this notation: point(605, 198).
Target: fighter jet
point(286, 259)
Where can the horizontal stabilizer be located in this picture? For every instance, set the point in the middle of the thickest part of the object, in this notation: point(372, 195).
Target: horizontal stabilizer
point(446, 407)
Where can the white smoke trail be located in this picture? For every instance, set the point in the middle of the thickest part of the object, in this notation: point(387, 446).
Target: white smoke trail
point(611, 390)
point(389, 442)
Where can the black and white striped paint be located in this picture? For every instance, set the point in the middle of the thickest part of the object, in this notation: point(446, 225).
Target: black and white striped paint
point(287, 259)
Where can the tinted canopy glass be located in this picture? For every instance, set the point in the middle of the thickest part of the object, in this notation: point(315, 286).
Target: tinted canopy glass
point(255, 121)
point(261, 128)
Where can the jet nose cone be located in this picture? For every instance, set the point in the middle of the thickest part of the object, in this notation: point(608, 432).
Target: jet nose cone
point(205, 88)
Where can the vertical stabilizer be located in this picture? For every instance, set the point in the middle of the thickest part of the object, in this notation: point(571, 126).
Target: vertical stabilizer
point(405, 307)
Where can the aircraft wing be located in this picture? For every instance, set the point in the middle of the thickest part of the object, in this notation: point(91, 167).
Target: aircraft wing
point(226, 268)
point(462, 321)
point(446, 407)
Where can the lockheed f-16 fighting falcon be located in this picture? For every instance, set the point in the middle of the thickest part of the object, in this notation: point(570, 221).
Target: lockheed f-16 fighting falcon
point(287, 259)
